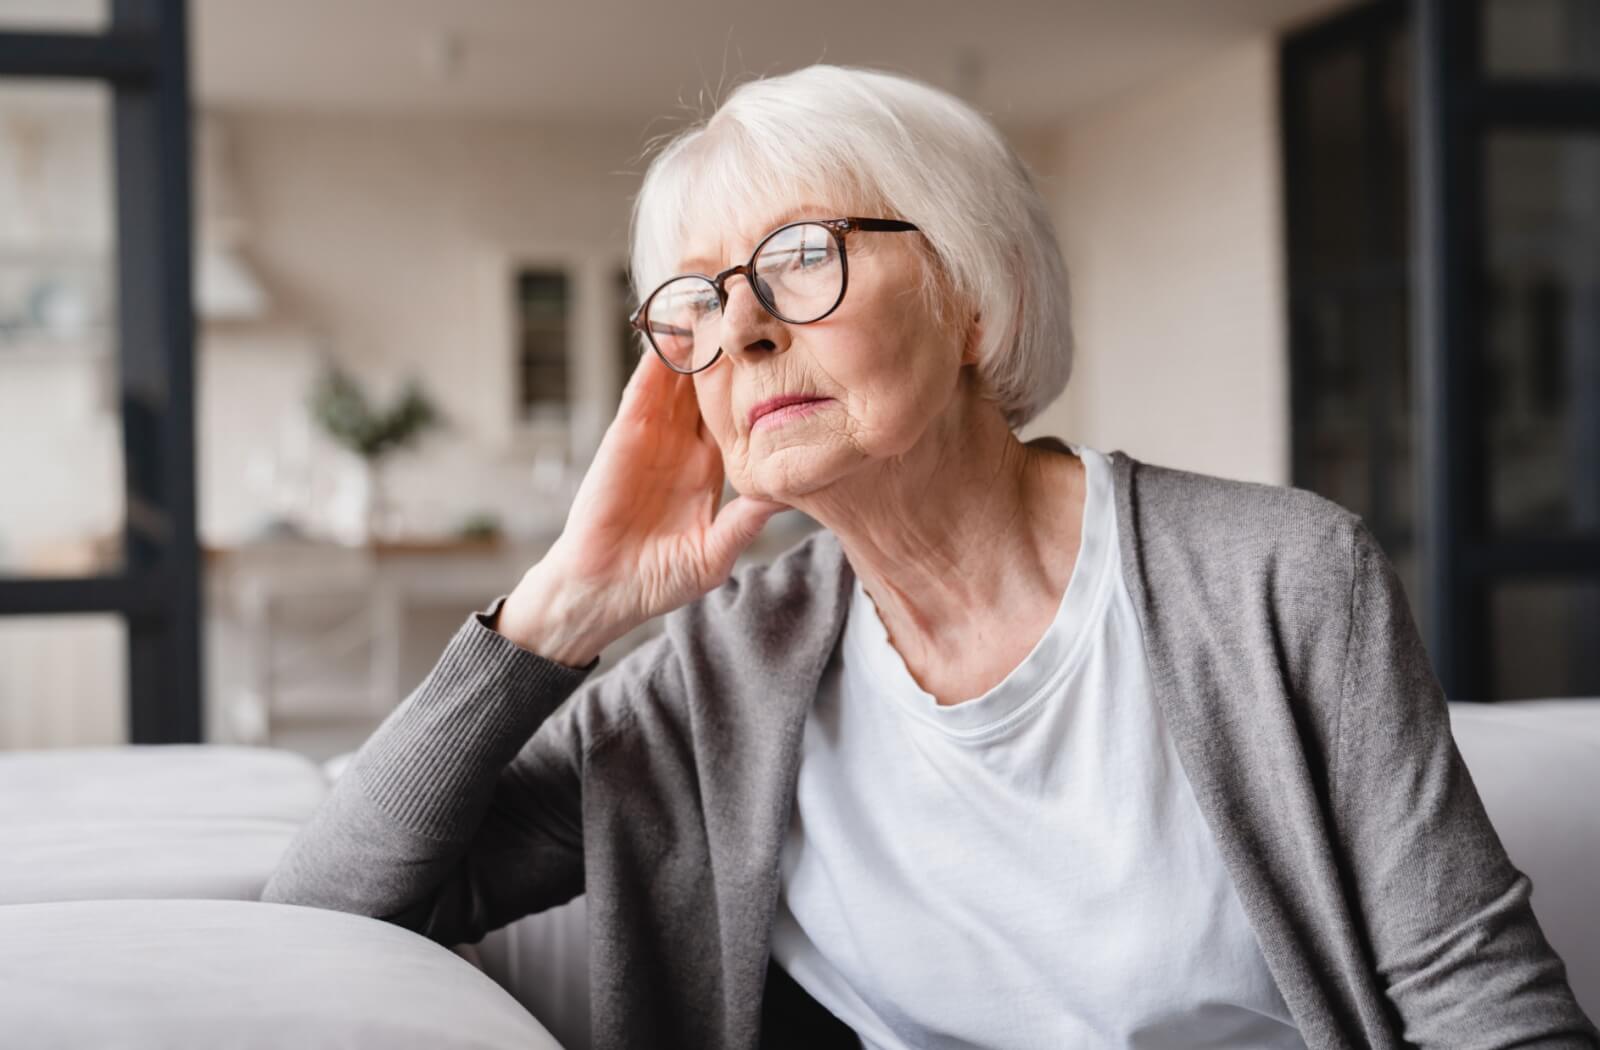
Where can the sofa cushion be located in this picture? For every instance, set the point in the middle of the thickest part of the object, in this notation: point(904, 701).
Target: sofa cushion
point(1536, 764)
point(543, 961)
point(198, 974)
point(169, 820)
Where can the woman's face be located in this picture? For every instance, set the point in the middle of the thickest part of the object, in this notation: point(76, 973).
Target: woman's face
point(883, 366)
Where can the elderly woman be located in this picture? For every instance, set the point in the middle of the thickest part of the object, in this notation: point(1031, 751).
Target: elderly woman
point(1028, 746)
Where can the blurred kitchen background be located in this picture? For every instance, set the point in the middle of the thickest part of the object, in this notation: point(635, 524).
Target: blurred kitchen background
point(1349, 247)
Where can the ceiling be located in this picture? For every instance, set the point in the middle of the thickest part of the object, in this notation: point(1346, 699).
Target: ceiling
point(1026, 62)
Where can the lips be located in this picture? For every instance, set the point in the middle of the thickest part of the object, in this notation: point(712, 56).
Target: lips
point(772, 404)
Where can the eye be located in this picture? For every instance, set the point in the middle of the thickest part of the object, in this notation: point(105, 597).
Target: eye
point(704, 303)
point(806, 257)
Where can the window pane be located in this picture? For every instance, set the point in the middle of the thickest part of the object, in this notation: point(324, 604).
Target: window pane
point(1337, 443)
point(1542, 37)
point(1334, 165)
point(1544, 639)
point(52, 16)
point(1354, 361)
point(1393, 159)
point(61, 457)
point(544, 308)
point(629, 343)
point(1542, 333)
point(1348, 104)
point(63, 681)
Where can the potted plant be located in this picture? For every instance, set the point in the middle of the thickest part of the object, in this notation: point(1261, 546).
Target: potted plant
point(345, 412)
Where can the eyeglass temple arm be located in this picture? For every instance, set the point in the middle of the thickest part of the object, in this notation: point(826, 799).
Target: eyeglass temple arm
point(636, 320)
point(882, 225)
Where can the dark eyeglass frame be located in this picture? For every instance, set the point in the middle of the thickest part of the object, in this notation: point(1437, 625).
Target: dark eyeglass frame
point(839, 228)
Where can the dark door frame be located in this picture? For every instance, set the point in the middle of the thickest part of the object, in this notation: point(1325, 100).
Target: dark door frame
point(1364, 31)
point(143, 59)
point(1455, 105)
point(1458, 104)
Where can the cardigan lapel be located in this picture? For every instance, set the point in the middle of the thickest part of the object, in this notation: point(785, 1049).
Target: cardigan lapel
point(1222, 720)
point(749, 765)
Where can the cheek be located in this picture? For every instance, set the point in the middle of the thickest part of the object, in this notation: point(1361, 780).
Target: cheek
point(712, 393)
point(893, 365)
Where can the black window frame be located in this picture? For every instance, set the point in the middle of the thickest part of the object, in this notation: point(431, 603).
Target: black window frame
point(1364, 32)
point(1456, 105)
point(142, 58)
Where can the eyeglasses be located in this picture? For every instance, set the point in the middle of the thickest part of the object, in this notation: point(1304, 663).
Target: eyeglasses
point(798, 273)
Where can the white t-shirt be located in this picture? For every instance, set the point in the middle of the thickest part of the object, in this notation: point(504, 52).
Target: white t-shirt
point(1028, 868)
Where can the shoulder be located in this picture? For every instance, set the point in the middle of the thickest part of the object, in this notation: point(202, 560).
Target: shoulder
point(1167, 498)
point(1220, 568)
point(1228, 528)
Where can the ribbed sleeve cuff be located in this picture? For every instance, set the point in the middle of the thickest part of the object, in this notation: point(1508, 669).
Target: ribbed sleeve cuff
point(436, 757)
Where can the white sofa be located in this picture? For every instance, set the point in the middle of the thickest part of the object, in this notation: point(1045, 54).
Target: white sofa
point(133, 875)
point(1536, 764)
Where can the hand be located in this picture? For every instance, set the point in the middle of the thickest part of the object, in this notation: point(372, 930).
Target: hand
point(644, 534)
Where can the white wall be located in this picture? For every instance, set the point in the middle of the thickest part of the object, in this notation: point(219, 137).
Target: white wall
point(1167, 200)
point(384, 241)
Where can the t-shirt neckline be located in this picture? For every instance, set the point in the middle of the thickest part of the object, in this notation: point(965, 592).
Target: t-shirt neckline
point(1049, 662)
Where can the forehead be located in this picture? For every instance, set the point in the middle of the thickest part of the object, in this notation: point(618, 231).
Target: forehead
point(711, 246)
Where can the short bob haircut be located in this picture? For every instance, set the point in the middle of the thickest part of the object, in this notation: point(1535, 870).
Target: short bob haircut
point(872, 143)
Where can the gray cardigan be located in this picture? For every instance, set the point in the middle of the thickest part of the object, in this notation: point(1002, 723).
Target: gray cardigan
point(1282, 654)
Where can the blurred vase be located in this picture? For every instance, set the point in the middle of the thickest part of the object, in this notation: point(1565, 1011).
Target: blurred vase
point(366, 512)
point(379, 521)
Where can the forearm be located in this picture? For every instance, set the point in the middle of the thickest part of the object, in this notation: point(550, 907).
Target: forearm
point(413, 797)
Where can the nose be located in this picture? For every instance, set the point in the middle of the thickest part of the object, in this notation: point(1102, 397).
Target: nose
point(746, 324)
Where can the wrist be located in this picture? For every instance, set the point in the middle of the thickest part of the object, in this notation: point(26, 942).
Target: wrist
point(544, 616)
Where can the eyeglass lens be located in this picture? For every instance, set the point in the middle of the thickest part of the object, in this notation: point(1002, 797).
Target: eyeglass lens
point(798, 274)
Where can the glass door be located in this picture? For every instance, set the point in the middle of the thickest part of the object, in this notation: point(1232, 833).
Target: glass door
point(1508, 343)
point(99, 564)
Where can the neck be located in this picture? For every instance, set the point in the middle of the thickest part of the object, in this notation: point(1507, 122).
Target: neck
point(963, 539)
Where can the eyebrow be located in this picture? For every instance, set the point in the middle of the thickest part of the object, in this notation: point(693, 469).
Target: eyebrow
point(810, 210)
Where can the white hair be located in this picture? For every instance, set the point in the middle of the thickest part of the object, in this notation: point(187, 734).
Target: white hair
point(865, 139)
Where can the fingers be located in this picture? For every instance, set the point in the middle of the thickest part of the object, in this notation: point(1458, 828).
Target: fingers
point(736, 527)
point(655, 391)
point(707, 438)
point(642, 394)
point(644, 371)
point(682, 407)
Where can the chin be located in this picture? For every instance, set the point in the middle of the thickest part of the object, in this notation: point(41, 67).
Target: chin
point(792, 472)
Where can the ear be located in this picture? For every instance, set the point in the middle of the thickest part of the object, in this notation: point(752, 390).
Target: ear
point(969, 351)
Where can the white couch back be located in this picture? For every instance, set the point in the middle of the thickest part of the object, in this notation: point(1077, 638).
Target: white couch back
point(1537, 765)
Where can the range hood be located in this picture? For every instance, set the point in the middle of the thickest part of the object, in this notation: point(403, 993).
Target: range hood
point(226, 286)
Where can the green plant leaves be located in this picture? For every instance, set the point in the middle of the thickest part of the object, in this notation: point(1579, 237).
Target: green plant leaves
point(343, 409)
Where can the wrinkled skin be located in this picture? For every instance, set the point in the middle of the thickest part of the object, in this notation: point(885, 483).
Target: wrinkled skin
point(963, 537)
